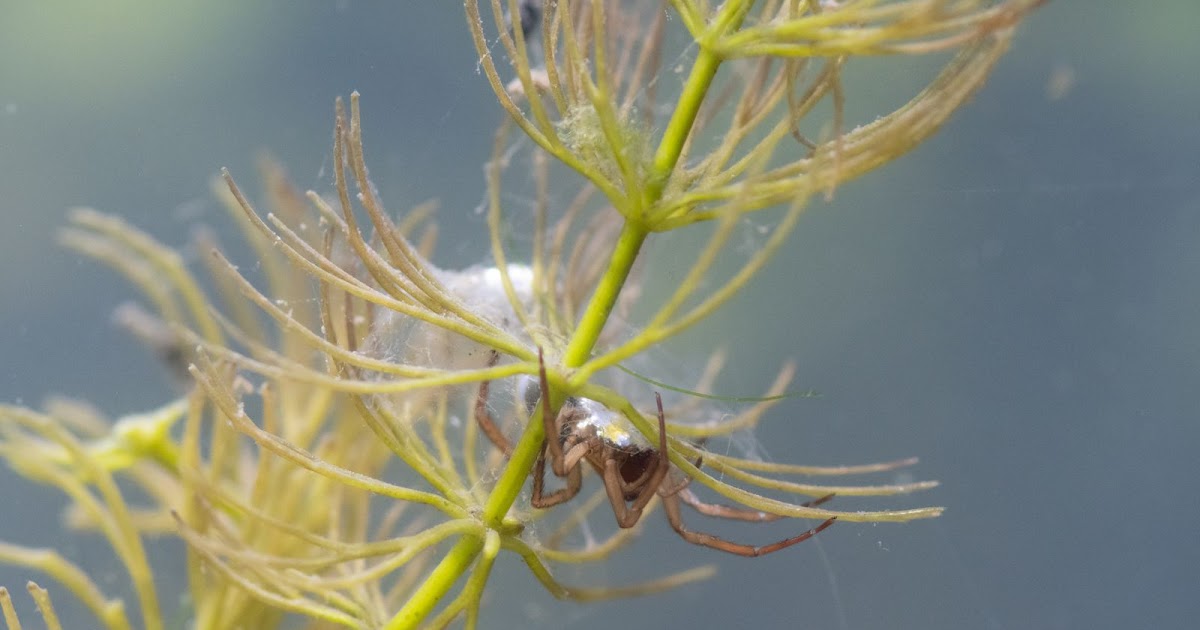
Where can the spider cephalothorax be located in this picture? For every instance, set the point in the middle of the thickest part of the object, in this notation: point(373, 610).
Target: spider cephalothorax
point(633, 469)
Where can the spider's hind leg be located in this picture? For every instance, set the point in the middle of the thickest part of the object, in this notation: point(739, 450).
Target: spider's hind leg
point(736, 514)
point(671, 507)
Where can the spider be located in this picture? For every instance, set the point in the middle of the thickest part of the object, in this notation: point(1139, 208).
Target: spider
point(632, 469)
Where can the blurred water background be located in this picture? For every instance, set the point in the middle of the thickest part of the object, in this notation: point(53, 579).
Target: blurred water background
point(1016, 302)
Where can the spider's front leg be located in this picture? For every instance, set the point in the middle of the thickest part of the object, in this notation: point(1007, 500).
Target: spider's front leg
point(573, 474)
point(551, 422)
point(541, 500)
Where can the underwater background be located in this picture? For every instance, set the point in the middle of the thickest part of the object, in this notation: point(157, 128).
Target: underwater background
point(1015, 302)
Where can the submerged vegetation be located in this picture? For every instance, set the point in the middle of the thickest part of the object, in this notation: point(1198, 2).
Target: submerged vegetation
point(327, 462)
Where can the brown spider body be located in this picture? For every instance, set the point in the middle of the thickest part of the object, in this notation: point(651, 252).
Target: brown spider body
point(633, 470)
point(602, 435)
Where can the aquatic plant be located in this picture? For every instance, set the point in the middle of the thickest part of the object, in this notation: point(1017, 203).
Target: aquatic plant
point(326, 460)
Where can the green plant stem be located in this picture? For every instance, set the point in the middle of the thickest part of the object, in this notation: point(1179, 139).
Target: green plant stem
point(688, 107)
point(600, 307)
point(438, 583)
point(512, 480)
point(680, 126)
point(579, 349)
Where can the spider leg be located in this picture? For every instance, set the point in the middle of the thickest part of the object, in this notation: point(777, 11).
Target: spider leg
point(628, 514)
point(662, 465)
point(550, 420)
point(671, 507)
point(737, 514)
point(576, 453)
point(677, 488)
point(541, 500)
point(484, 418)
point(686, 479)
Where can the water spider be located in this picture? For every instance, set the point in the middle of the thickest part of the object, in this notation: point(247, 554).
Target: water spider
point(633, 469)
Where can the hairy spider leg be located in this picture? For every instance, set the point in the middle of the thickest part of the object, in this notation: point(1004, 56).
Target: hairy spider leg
point(737, 514)
point(541, 500)
point(576, 447)
point(685, 482)
point(550, 420)
point(628, 514)
point(671, 507)
point(573, 474)
point(484, 418)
